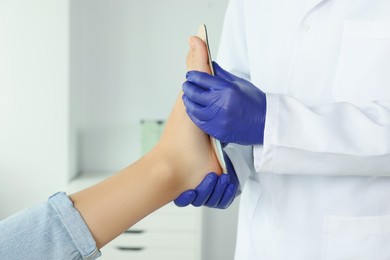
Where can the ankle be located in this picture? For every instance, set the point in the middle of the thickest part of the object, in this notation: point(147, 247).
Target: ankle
point(168, 168)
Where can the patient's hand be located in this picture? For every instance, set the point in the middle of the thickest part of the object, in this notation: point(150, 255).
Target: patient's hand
point(187, 148)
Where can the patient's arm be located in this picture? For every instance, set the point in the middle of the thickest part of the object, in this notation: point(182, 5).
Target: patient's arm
point(178, 162)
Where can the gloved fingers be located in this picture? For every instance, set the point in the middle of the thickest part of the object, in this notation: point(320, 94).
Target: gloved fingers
point(186, 198)
point(196, 94)
point(206, 81)
point(228, 196)
point(223, 73)
point(204, 189)
point(197, 76)
point(219, 190)
point(195, 111)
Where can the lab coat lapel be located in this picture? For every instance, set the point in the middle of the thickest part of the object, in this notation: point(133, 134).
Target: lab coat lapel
point(311, 7)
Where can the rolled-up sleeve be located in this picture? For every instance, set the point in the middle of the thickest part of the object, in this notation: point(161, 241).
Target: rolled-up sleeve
point(50, 230)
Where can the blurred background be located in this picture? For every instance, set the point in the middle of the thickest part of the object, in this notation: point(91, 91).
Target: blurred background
point(84, 87)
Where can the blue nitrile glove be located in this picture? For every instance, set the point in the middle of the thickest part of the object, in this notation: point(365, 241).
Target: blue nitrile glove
point(228, 108)
point(214, 191)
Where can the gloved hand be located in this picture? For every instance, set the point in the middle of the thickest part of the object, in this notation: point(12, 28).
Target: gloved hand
point(226, 107)
point(214, 191)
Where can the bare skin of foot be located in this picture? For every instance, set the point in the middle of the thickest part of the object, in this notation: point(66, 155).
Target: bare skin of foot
point(183, 136)
point(177, 163)
point(197, 57)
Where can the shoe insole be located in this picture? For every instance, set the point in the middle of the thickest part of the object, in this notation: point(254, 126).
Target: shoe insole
point(217, 147)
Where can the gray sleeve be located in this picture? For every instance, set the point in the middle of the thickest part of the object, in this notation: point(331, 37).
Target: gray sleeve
point(50, 230)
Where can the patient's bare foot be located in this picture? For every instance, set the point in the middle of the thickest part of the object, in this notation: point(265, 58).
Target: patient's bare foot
point(197, 58)
point(185, 146)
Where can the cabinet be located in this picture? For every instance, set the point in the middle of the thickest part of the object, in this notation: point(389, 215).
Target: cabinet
point(169, 233)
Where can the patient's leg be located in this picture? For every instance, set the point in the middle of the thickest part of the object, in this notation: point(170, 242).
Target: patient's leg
point(187, 146)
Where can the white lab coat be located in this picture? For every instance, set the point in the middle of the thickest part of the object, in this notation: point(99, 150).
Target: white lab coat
point(319, 187)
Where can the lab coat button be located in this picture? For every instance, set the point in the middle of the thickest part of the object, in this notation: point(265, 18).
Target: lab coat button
point(305, 27)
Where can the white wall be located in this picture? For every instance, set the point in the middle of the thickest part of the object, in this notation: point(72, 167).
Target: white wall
point(128, 64)
point(34, 74)
point(75, 82)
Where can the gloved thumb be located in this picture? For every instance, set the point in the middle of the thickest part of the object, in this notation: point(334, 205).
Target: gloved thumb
point(222, 73)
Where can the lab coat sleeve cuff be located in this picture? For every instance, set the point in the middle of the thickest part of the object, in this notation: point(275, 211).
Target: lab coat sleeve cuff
point(257, 156)
point(75, 225)
point(263, 154)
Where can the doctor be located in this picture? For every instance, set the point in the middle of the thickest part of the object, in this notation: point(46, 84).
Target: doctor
point(303, 94)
